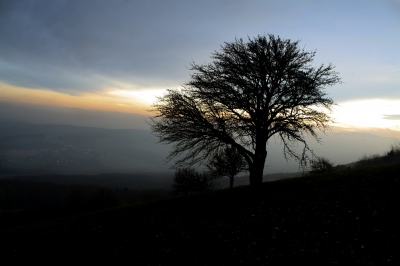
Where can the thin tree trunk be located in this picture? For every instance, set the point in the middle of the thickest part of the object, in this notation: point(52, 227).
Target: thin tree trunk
point(231, 182)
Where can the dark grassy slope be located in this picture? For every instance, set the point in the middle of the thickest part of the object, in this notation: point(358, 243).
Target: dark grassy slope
point(351, 216)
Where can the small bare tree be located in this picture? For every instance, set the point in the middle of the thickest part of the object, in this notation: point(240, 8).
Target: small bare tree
point(227, 162)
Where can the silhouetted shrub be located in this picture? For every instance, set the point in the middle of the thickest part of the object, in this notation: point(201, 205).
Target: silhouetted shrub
point(321, 165)
point(188, 180)
point(391, 156)
point(340, 167)
point(368, 160)
point(205, 182)
point(394, 153)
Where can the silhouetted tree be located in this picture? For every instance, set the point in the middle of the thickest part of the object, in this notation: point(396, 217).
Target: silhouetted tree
point(250, 92)
point(321, 165)
point(227, 162)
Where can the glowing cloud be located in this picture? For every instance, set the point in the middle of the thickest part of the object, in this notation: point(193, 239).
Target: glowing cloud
point(114, 100)
point(376, 113)
point(144, 96)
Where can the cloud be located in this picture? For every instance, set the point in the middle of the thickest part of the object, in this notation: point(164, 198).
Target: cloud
point(368, 113)
point(391, 117)
point(61, 115)
point(109, 99)
point(61, 45)
point(75, 46)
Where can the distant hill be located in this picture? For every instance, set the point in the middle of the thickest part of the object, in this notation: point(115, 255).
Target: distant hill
point(40, 150)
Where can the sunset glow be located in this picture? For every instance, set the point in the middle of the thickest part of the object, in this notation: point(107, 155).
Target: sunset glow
point(378, 114)
point(147, 97)
point(375, 113)
point(108, 100)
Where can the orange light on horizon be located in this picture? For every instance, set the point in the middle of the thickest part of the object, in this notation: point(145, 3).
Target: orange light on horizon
point(107, 100)
point(365, 115)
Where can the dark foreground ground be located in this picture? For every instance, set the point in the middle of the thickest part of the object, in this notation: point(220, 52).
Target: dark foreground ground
point(348, 217)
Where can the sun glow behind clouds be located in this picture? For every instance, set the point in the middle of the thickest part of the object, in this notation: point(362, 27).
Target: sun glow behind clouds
point(146, 96)
point(113, 100)
point(375, 113)
point(352, 115)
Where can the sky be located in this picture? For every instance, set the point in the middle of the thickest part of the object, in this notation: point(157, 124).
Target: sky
point(102, 63)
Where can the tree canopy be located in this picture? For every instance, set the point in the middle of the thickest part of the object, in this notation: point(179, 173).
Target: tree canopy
point(251, 91)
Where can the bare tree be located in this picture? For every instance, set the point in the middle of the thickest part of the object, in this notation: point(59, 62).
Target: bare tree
point(251, 92)
point(227, 162)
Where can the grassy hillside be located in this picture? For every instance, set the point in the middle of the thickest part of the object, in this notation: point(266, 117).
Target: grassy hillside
point(350, 216)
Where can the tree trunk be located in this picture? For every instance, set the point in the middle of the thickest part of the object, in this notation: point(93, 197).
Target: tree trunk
point(257, 169)
point(231, 182)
